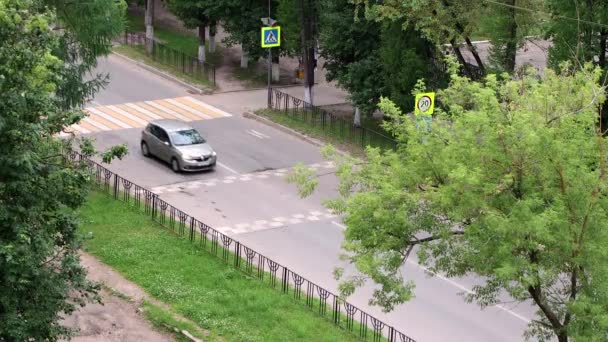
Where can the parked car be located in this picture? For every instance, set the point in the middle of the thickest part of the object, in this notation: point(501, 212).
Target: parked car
point(178, 144)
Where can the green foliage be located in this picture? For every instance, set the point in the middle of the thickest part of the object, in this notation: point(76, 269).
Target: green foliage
point(242, 20)
point(507, 27)
point(351, 52)
point(439, 21)
point(406, 58)
point(193, 13)
point(199, 286)
point(288, 17)
point(510, 184)
point(41, 83)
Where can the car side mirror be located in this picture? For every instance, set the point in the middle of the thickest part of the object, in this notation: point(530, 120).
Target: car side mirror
point(166, 143)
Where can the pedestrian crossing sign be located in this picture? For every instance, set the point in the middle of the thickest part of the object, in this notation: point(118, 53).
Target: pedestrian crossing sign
point(271, 36)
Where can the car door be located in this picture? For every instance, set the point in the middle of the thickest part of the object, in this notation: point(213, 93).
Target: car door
point(151, 134)
point(164, 145)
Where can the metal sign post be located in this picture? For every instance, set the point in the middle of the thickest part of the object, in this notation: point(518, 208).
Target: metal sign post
point(271, 37)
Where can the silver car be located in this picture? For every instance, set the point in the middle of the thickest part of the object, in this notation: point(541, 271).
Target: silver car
point(179, 144)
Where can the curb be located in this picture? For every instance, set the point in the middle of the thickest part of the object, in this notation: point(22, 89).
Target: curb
point(163, 74)
point(284, 129)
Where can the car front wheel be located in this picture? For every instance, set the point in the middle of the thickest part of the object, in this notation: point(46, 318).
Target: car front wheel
point(175, 165)
point(144, 149)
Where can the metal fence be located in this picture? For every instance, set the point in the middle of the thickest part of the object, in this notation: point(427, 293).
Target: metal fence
point(170, 57)
point(327, 123)
point(277, 276)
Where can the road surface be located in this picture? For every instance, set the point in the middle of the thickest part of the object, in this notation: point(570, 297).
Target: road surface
point(247, 198)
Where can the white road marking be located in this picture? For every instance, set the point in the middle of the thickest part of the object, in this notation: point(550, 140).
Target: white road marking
point(80, 129)
point(167, 110)
point(108, 117)
point(463, 288)
point(255, 134)
point(143, 111)
point(227, 168)
point(127, 115)
point(339, 225)
point(260, 134)
point(203, 104)
point(97, 124)
point(188, 109)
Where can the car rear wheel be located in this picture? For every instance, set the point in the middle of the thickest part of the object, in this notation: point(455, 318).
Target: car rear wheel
point(175, 165)
point(144, 149)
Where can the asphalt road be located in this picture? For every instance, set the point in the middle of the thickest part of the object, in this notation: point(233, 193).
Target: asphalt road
point(248, 198)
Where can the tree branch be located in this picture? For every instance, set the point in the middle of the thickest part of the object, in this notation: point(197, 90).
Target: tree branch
point(433, 238)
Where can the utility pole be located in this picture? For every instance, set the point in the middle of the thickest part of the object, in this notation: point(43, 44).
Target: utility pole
point(269, 66)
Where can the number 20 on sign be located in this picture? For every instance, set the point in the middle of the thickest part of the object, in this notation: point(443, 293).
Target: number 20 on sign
point(425, 104)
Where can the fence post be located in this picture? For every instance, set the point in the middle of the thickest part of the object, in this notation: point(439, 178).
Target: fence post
point(115, 186)
point(154, 206)
point(237, 254)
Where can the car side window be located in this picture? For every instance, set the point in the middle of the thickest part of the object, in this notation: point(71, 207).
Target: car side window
point(162, 135)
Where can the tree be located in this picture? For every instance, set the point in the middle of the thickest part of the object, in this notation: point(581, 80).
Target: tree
point(308, 18)
point(351, 52)
point(507, 26)
point(40, 275)
point(442, 21)
point(510, 183)
point(149, 22)
point(579, 32)
point(242, 22)
point(195, 14)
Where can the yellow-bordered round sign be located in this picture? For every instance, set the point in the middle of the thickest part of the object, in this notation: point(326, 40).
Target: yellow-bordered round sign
point(425, 104)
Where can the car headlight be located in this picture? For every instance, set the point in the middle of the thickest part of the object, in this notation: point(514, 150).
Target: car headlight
point(213, 154)
point(188, 157)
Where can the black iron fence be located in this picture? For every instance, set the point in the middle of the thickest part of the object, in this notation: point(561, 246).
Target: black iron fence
point(327, 123)
point(324, 302)
point(175, 59)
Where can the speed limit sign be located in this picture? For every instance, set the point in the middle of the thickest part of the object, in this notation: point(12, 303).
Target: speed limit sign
point(425, 104)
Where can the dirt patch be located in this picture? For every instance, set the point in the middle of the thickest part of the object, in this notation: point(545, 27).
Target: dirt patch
point(118, 318)
point(114, 320)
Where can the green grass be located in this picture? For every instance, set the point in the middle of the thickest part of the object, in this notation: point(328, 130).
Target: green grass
point(165, 320)
point(251, 75)
point(181, 41)
point(138, 53)
point(195, 284)
point(338, 134)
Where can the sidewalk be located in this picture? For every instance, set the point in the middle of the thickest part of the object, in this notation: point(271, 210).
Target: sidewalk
point(239, 102)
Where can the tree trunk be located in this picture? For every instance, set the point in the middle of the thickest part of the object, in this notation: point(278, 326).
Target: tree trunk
point(201, 44)
point(212, 32)
point(308, 51)
point(308, 95)
point(244, 59)
point(276, 70)
point(357, 121)
point(602, 64)
point(149, 21)
point(475, 54)
point(463, 62)
point(602, 52)
point(511, 46)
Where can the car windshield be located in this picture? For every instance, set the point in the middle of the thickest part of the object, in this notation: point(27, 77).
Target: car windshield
point(187, 137)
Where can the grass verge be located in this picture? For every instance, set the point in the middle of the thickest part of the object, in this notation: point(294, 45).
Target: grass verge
point(165, 320)
point(138, 53)
point(341, 134)
point(202, 288)
point(185, 42)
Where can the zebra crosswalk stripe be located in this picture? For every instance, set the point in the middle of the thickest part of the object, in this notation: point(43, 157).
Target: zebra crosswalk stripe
point(138, 114)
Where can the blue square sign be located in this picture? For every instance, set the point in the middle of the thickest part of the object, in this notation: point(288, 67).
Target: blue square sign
point(271, 36)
